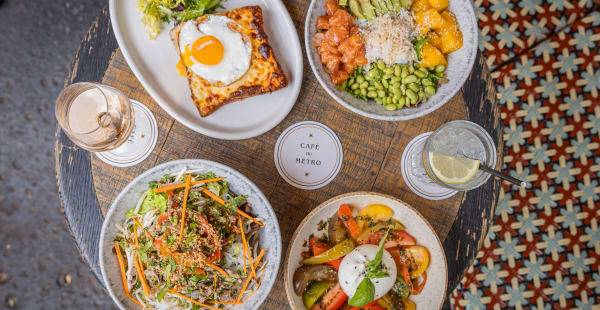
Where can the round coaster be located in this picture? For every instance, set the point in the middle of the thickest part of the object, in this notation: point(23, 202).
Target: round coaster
point(308, 155)
point(414, 174)
point(140, 143)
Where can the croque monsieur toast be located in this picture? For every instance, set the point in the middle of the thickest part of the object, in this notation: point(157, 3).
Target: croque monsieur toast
point(263, 76)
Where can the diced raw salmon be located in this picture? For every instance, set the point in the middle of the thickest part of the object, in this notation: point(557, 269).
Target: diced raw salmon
point(323, 23)
point(336, 34)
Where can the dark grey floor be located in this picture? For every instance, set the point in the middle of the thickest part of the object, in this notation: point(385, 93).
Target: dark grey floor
point(40, 267)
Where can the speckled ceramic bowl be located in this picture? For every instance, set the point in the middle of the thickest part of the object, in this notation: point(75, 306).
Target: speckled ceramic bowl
point(434, 292)
point(270, 237)
point(460, 64)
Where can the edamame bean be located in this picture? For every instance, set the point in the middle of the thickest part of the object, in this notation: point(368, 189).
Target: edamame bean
point(424, 70)
point(414, 87)
point(378, 100)
point(409, 79)
point(440, 75)
point(389, 71)
point(412, 95)
point(390, 107)
point(364, 85)
point(395, 100)
point(404, 73)
point(402, 102)
point(381, 93)
point(350, 81)
point(430, 90)
point(387, 76)
point(370, 88)
point(397, 70)
point(360, 78)
point(378, 85)
point(372, 94)
point(355, 86)
point(440, 68)
point(411, 70)
point(385, 83)
point(427, 82)
point(380, 64)
point(394, 79)
point(371, 74)
point(420, 74)
point(363, 92)
point(422, 95)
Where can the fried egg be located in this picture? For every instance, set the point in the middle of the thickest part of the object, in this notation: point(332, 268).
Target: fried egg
point(213, 51)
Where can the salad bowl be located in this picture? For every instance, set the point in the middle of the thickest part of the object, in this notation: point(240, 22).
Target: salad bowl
point(434, 292)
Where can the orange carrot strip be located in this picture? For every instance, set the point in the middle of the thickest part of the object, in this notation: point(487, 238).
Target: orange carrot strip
point(142, 227)
point(240, 212)
point(180, 185)
point(257, 285)
point(221, 201)
point(135, 300)
point(122, 267)
point(224, 302)
point(244, 243)
point(215, 281)
point(217, 268)
point(244, 288)
point(246, 249)
point(191, 300)
point(139, 266)
point(260, 255)
point(185, 196)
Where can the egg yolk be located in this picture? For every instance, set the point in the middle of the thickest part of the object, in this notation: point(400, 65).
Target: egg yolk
point(207, 50)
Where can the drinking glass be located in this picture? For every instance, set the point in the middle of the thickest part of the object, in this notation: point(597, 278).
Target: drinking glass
point(96, 117)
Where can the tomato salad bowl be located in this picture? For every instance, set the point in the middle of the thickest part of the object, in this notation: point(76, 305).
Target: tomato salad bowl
point(365, 250)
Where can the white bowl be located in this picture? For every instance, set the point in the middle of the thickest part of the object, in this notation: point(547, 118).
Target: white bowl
point(433, 294)
point(459, 68)
point(270, 237)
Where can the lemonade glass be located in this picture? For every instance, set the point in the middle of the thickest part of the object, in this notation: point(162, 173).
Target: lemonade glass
point(461, 139)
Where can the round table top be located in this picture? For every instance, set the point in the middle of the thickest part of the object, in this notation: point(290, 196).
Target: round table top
point(372, 152)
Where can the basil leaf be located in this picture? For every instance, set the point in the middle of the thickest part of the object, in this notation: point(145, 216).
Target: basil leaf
point(365, 293)
point(373, 267)
point(162, 292)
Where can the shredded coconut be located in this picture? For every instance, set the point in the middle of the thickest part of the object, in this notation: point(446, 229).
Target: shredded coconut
point(389, 37)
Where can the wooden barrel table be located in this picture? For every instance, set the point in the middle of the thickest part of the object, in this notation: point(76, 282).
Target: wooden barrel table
point(372, 153)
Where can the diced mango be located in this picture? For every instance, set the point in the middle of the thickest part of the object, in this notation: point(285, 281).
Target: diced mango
point(435, 39)
point(420, 5)
point(428, 19)
point(451, 36)
point(439, 5)
point(432, 56)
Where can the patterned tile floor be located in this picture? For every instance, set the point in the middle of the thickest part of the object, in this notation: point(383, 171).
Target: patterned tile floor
point(543, 249)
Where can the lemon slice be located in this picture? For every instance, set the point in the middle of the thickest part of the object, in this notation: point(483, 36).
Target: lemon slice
point(453, 170)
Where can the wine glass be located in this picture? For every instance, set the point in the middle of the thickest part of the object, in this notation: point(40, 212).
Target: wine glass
point(101, 119)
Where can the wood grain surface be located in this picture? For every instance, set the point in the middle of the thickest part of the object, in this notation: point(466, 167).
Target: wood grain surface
point(372, 152)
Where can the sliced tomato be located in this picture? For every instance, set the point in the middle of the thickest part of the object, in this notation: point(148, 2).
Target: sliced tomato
point(334, 299)
point(418, 287)
point(316, 246)
point(345, 214)
point(162, 218)
point(396, 238)
point(420, 256)
point(335, 263)
point(370, 306)
point(401, 263)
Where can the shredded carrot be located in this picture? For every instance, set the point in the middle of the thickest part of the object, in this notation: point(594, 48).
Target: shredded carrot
point(185, 196)
point(242, 213)
point(122, 266)
point(215, 282)
point(123, 276)
point(257, 285)
point(244, 244)
point(135, 300)
point(192, 301)
point(167, 188)
point(244, 288)
point(260, 255)
point(221, 201)
point(142, 227)
point(217, 268)
point(224, 302)
point(139, 266)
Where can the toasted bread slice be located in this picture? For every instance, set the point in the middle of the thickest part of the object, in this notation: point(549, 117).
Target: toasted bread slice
point(264, 75)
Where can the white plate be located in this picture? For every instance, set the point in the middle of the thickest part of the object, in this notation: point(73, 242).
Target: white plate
point(434, 292)
point(459, 68)
point(153, 63)
point(270, 236)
